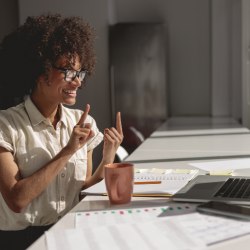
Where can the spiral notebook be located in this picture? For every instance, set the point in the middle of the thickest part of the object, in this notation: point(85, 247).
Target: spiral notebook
point(152, 182)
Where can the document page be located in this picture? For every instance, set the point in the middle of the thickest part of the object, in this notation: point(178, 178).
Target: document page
point(146, 236)
point(145, 230)
point(208, 229)
point(138, 228)
point(170, 180)
point(118, 216)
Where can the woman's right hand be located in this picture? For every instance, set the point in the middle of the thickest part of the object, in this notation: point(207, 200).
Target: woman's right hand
point(113, 138)
point(81, 133)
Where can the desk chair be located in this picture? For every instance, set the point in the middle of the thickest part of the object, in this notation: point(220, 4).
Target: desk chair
point(121, 154)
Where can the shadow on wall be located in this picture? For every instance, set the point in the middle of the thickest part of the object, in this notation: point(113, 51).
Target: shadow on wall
point(138, 79)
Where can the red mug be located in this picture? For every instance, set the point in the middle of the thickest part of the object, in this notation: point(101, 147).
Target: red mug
point(119, 181)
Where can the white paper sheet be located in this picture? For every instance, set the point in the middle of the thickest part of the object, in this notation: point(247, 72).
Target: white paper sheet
point(183, 232)
point(146, 236)
point(117, 216)
point(208, 229)
point(118, 230)
point(172, 180)
point(233, 164)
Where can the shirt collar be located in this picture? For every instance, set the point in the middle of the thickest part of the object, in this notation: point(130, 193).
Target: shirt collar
point(62, 114)
point(35, 115)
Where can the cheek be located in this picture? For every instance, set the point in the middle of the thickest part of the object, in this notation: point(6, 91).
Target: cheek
point(58, 90)
point(56, 84)
point(55, 77)
point(54, 90)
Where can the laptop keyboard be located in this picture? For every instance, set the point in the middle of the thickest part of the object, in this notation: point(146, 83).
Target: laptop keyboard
point(235, 188)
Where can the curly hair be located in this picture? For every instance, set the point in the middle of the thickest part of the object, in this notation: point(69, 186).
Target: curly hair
point(34, 47)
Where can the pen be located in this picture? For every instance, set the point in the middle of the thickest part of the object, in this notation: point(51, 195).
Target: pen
point(147, 182)
point(152, 195)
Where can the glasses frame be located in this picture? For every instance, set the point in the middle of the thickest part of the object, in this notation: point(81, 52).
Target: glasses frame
point(76, 72)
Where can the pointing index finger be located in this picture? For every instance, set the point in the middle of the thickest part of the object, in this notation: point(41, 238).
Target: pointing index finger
point(84, 115)
point(119, 123)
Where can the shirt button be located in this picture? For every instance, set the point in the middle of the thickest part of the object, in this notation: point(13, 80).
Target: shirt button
point(62, 175)
point(62, 198)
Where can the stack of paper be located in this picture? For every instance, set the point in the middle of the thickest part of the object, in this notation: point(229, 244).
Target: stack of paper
point(152, 182)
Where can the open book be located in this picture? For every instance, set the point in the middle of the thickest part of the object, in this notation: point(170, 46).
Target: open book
point(152, 182)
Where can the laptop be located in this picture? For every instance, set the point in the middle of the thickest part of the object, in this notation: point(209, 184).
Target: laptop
point(203, 188)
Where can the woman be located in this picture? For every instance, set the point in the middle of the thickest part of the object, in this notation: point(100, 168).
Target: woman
point(46, 148)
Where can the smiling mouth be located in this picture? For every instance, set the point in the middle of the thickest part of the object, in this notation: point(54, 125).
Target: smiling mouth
point(70, 92)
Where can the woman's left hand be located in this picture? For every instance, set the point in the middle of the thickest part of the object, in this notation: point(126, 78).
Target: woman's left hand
point(113, 138)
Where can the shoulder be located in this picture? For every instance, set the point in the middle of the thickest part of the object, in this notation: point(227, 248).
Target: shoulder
point(11, 120)
point(12, 114)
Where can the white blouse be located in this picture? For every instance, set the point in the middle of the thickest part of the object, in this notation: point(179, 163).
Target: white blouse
point(33, 141)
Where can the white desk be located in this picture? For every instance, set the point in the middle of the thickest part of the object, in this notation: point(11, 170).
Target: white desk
point(182, 126)
point(91, 203)
point(212, 131)
point(192, 147)
point(100, 203)
point(172, 152)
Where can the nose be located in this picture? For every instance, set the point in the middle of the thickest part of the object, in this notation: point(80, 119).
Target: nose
point(77, 82)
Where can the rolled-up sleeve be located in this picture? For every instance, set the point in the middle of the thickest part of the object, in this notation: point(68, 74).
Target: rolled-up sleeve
point(6, 131)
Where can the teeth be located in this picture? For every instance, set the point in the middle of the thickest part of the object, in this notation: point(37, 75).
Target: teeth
point(70, 91)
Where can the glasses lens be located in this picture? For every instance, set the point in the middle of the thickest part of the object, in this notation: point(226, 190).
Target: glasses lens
point(70, 75)
point(82, 75)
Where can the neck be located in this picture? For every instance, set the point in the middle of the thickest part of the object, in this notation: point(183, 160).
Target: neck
point(47, 109)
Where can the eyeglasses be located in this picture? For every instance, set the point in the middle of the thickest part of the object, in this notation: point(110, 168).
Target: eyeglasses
point(70, 74)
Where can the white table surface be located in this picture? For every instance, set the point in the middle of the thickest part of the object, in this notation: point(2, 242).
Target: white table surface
point(211, 131)
point(186, 147)
point(192, 147)
point(180, 126)
point(101, 202)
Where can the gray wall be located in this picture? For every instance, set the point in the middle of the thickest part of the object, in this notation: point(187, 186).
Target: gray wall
point(187, 27)
point(200, 37)
point(203, 50)
point(226, 45)
point(188, 49)
point(97, 92)
point(8, 16)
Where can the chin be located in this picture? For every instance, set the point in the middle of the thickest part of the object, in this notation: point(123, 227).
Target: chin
point(69, 102)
